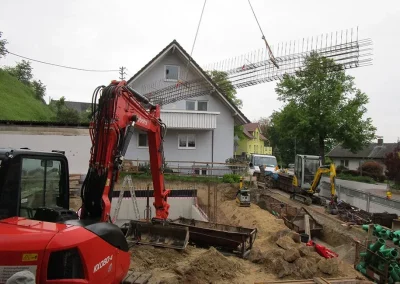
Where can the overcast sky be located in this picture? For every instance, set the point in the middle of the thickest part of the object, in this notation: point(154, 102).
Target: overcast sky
point(109, 34)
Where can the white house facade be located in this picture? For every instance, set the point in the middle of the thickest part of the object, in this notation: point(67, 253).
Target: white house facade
point(198, 128)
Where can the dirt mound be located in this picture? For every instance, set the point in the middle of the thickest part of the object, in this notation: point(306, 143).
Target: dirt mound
point(149, 257)
point(211, 266)
point(279, 250)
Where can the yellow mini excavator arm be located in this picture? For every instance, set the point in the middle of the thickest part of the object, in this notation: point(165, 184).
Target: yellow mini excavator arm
point(317, 178)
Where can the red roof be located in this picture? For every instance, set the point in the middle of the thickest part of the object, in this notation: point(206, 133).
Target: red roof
point(249, 128)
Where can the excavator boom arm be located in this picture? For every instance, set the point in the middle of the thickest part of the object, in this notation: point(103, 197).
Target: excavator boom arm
point(120, 109)
point(317, 178)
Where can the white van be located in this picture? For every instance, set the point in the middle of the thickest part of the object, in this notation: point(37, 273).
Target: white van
point(256, 160)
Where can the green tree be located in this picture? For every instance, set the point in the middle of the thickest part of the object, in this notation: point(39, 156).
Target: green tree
point(222, 81)
point(40, 89)
point(86, 115)
point(22, 71)
point(392, 163)
point(264, 124)
point(324, 105)
point(3, 42)
point(63, 113)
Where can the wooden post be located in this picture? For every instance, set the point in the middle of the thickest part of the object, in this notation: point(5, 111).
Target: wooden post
point(215, 202)
point(307, 226)
point(370, 235)
point(209, 201)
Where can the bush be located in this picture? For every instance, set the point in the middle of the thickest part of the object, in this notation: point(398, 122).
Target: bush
point(340, 169)
point(365, 179)
point(231, 178)
point(372, 167)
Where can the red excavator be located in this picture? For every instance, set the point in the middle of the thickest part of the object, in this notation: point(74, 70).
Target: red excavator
point(39, 233)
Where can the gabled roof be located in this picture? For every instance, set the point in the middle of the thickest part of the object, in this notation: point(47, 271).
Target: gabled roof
point(175, 45)
point(249, 128)
point(372, 151)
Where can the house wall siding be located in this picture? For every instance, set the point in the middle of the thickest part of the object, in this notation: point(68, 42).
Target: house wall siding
point(354, 163)
point(253, 146)
point(153, 78)
point(223, 134)
point(202, 152)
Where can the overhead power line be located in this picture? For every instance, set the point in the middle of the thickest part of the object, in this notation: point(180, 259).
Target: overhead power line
point(62, 66)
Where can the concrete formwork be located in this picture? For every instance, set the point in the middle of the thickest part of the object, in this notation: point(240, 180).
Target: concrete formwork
point(180, 207)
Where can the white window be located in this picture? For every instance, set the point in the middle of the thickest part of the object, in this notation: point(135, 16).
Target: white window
point(142, 140)
point(344, 163)
point(197, 105)
point(202, 105)
point(186, 141)
point(190, 105)
point(171, 73)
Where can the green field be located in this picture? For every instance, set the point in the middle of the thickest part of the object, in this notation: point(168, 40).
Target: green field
point(17, 101)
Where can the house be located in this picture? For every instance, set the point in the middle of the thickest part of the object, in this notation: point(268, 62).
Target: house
point(352, 161)
point(200, 126)
point(254, 142)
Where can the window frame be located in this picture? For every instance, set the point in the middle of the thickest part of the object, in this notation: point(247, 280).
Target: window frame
point(165, 73)
point(191, 101)
point(187, 143)
point(147, 140)
point(203, 101)
point(63, 192)
point(344, 163)
point(196, 105)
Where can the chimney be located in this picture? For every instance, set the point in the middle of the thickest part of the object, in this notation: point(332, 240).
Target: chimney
point(380, 141)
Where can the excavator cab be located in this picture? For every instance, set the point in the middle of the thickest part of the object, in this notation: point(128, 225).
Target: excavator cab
point(33, 182)
point(307, 176)
point(306, 167)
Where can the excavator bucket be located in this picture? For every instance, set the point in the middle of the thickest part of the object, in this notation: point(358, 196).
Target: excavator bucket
point(160, 234)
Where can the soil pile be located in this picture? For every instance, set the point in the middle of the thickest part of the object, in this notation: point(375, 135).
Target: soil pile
point(198, 266)
point(210, 267)
point(279, 250)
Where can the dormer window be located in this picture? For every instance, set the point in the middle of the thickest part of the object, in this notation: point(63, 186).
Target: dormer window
point(171, 72)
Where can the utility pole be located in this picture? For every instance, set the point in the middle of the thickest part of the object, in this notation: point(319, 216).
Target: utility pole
point(122, 73)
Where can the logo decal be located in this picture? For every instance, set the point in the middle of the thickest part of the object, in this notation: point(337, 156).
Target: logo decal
point(30, 257)
point(102, 263)
point(142, 120)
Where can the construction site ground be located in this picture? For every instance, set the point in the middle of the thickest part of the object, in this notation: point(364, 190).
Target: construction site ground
point(277, 254)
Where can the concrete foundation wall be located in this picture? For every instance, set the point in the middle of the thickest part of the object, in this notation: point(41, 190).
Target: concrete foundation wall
point(76, 147)
point(180, 207)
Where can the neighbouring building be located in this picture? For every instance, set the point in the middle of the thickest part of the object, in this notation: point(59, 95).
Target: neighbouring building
point(253, 143)
point(200, 128)
point(352, 161)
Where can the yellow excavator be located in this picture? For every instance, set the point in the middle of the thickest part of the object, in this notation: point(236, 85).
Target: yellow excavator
point(307, 176)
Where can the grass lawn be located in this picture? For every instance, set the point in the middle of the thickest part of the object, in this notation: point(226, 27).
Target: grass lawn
point(18, 102)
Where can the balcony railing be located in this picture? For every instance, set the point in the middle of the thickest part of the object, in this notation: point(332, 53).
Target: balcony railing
point(189, 119)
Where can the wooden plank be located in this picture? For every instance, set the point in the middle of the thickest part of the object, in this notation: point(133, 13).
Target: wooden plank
point(130, 279)
point(320, 280)
point(143, 279)
point(307, 225)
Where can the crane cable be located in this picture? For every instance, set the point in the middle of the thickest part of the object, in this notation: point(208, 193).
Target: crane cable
point(194, 41)
point(263, 37)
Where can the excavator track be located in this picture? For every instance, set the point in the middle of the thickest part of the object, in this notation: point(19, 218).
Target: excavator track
point(301, 198)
